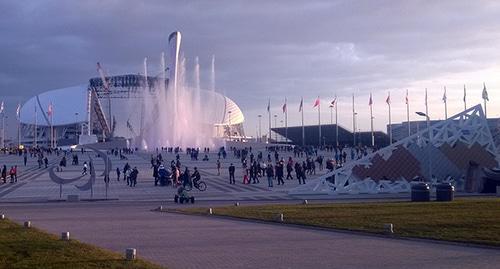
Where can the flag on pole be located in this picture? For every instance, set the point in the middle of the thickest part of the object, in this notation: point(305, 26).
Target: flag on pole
point(332, 104)
point(316, 103)
point(18, 111)
point(49, 110)
point(485, 93)
point(370, 102)
point(444, 96)
point(269, 105)
point(407, 101)
point(284, 107)
point(301, 104)
point(388, 100)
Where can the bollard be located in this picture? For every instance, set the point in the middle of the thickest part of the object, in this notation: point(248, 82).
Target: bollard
point(65, 236)
point(2, 217)
point(388, 228)
point(279, 217)
point(27, 224)
point(130, 254)
point(236, 204)
point(305, 202)
point(160, 208)
point(210, 211)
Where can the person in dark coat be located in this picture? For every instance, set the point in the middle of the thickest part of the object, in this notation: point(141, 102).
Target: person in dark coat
point(231, 169)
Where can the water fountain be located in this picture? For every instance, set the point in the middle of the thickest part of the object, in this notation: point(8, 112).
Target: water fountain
point(172, 112)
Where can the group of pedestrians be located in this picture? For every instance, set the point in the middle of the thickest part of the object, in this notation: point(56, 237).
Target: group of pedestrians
point(12, 173)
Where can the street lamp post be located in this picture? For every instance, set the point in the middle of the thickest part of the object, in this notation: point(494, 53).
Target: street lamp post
point(76, 128)
point(429, 144)
point(260, 133)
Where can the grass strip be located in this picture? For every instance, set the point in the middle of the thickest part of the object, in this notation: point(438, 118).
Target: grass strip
point(31, 248)
point(471, 220)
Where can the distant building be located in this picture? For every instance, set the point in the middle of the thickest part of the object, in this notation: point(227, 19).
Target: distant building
point(328, 136)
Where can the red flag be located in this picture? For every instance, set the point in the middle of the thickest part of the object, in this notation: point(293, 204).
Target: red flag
point(301, 104)
point(316, 103)
point(371, 101)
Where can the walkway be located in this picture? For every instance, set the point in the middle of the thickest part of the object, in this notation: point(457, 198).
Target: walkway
point(180, 241)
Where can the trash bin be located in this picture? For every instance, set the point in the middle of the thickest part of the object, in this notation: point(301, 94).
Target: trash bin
point(445, 192)
point(420, 192)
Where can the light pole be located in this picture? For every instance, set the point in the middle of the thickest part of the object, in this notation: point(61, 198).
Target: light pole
point(422, 114)
point(76, 128)
point(260, 133)
point(275, 126)
point(229, 127)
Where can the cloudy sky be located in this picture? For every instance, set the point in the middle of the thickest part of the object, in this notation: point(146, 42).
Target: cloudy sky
point(266, 49)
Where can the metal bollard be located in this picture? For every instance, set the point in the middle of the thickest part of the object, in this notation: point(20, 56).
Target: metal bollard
point(27, 224)
point(210, 211)
point(130, 254)
point(305, 202)
point(237, 204)
point(2, 217)
point(388, 228)
point(160, 208)
point(65, 236)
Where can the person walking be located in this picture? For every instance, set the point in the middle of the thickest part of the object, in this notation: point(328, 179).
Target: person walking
point(84, 172)
point(232, 169)
point(133, 176)
point(25, 158)
point(4, 174)
point(280, 173)
point(117, 174)
point(218, 167)
point(12, 172)
point(270, 175)
point(289, 169)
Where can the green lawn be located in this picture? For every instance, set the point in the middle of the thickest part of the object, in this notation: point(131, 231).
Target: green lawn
point(474, 220)
point(32, 248)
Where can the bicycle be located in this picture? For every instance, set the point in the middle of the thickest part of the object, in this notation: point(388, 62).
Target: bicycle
point(200, 185)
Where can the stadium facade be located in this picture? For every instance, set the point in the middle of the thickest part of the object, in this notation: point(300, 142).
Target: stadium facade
point(81, 114)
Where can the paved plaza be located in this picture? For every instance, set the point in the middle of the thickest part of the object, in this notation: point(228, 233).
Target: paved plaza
point(35, 184)
point(182, 241)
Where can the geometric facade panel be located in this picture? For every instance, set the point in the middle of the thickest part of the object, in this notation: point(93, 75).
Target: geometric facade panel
point(455, 150)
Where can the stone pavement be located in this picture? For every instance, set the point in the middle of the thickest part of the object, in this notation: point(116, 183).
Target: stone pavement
point(181, 241)
point(35, 185)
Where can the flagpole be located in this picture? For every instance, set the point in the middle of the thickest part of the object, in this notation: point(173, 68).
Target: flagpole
point(465, 98)
point(286, 122)
point(408, 113)
point(390, 121)
point(303, 131)
point(353, 123)
point(319, 121)
point(3, 129)
point(371, 120)
point(445, 104)
point(36, 131)
point(485, 98)
point(18, 114)
point(269, 114)
point(336, 123)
